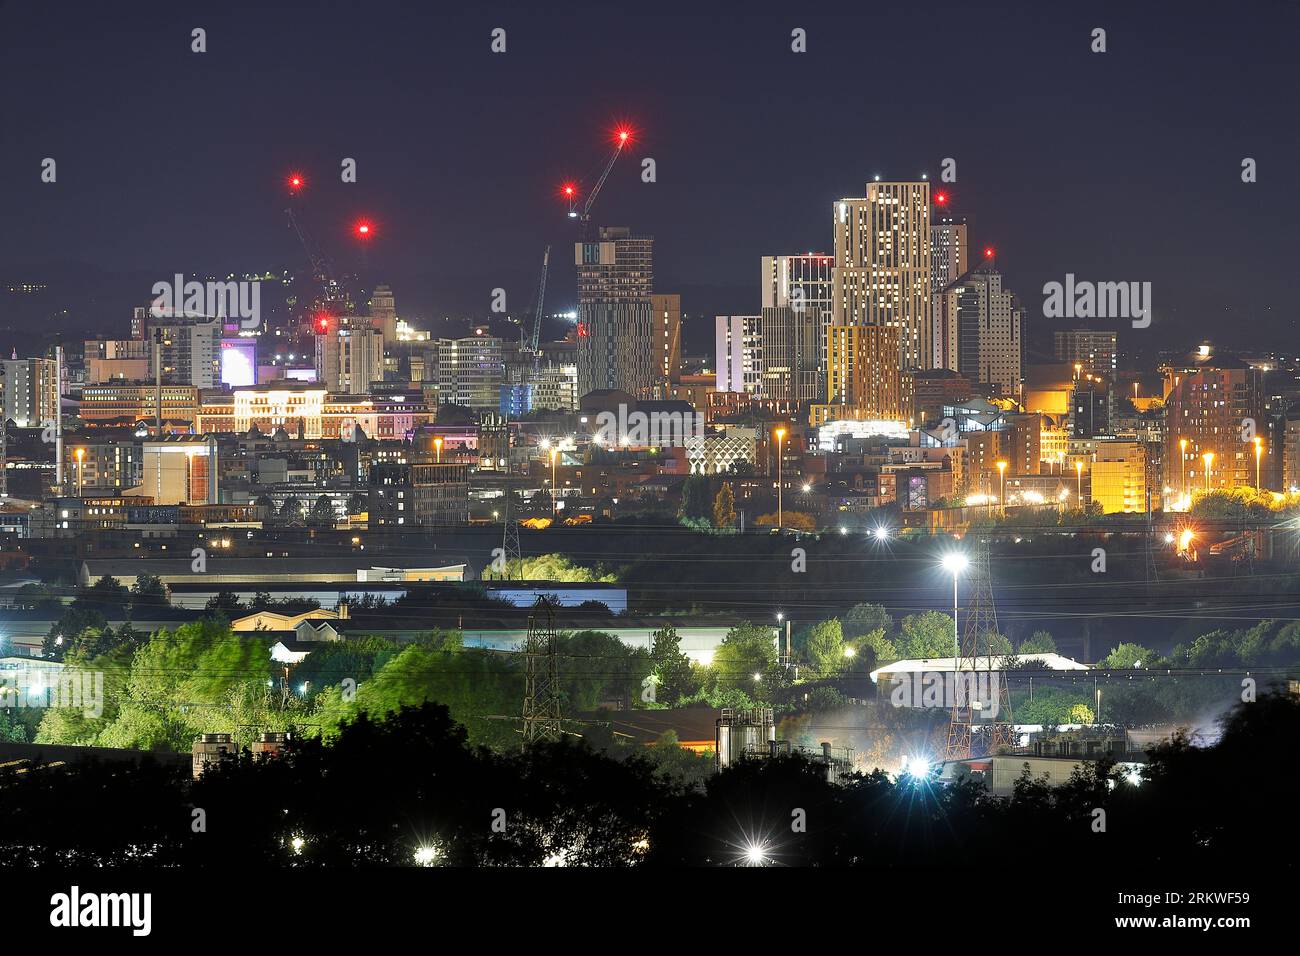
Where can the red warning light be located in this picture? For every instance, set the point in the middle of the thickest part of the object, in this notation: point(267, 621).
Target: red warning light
point(623, 135)
point(988, 252)
point(582, 330)
point(364, 230)
point(296, 182)
point(941, 198)
point(323, 323)
point(569, 189)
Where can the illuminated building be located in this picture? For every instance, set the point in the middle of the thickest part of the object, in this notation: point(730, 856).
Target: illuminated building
point(471, 371)
point(739, 344)
point(666, 330)
point(189, 349)
point(882, 265)
point(863, 380)
point(1119, 476)
point(980, 326)
point(802, 281)
point(1208, 404)
point(180, 472)
point(31, 391)
point(349, 354)
point(127, 404)
point(790, 360)
point(616, 347)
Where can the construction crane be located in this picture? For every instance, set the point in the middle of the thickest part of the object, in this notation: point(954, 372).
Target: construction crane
point(534, 345)
point(320, 265)
point(621, 138)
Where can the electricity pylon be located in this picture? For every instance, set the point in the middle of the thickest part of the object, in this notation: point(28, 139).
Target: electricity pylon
point(541, 712)
point(981, 625)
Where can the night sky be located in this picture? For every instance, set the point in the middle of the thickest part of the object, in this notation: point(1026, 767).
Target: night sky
point(1116, 166)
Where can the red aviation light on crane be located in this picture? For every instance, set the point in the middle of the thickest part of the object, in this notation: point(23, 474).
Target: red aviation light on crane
point(941, 199)
point(364, 230)
point(623, 134)
point(296, 181)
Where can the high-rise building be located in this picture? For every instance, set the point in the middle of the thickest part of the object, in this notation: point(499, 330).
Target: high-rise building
point(802, 282)
point(949, 255)
point(666, 329)
point(616, 345)
point(882, 265)
point(863, 381)
point(190, 350)
point(31, 391)
point(471, 371)
point(739, 345)
point(1208, 404)
point(1093, 352)
point(349, 355)
point(791, 363)
point(980, 325)
point(383, 312)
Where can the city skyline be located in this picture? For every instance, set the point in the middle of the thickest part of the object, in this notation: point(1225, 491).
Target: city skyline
point(435, 220)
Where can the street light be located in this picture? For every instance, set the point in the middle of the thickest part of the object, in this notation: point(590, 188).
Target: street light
point(955, 563)
point(1078, 473)
point(1259, 451)
point(81, 454)
point(1002, 493)
point(1208, 458)
point(780, 513)
point(555, 505)
point(437, 444)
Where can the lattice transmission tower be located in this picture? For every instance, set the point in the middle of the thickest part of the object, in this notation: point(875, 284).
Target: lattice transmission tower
point(541, 712)
point(976, 636)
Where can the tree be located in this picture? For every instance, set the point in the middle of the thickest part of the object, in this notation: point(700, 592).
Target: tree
point(107, 596)
point(724, 507)
point(1081, 714)
point(926, 635)
point(696, 503)
point(1040, 642)
point(673, 672)
point(862, 619)
point(356, 503)
point(322, 512)
point(225, 602)
point(148, 591)
point(1128, 655)
point(746, 651)
point(881, 648)
point(291, 510)
point(826, 647)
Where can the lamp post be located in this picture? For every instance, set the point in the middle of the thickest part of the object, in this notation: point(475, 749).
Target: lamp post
point(1208, 458)
point(1002, 488)
point(437, 445)
point(1259, 451)
point(780, 506)
point(555, 504)
point(955, 562)
point(1078, 474)
point(81, 454)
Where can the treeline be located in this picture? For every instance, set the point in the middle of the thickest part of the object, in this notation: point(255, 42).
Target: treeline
point(412, 790)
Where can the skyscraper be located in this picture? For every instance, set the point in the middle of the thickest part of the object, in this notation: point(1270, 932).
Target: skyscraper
point(980, 322)
point(863, 380)
point(791, 360)
point(949, 255)
point(31, 391)
point(882, 265)
point(383, 312)
point(615, 326)
point(191, 350)
point(802, 282)
point(666, 315)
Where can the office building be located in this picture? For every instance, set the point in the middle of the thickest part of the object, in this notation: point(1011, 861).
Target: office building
point(471, 371)
point(182, 471)
point(979, 326)
point(666, 329)
point(791, 364)
point(1119, 476)
point(189, 350)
